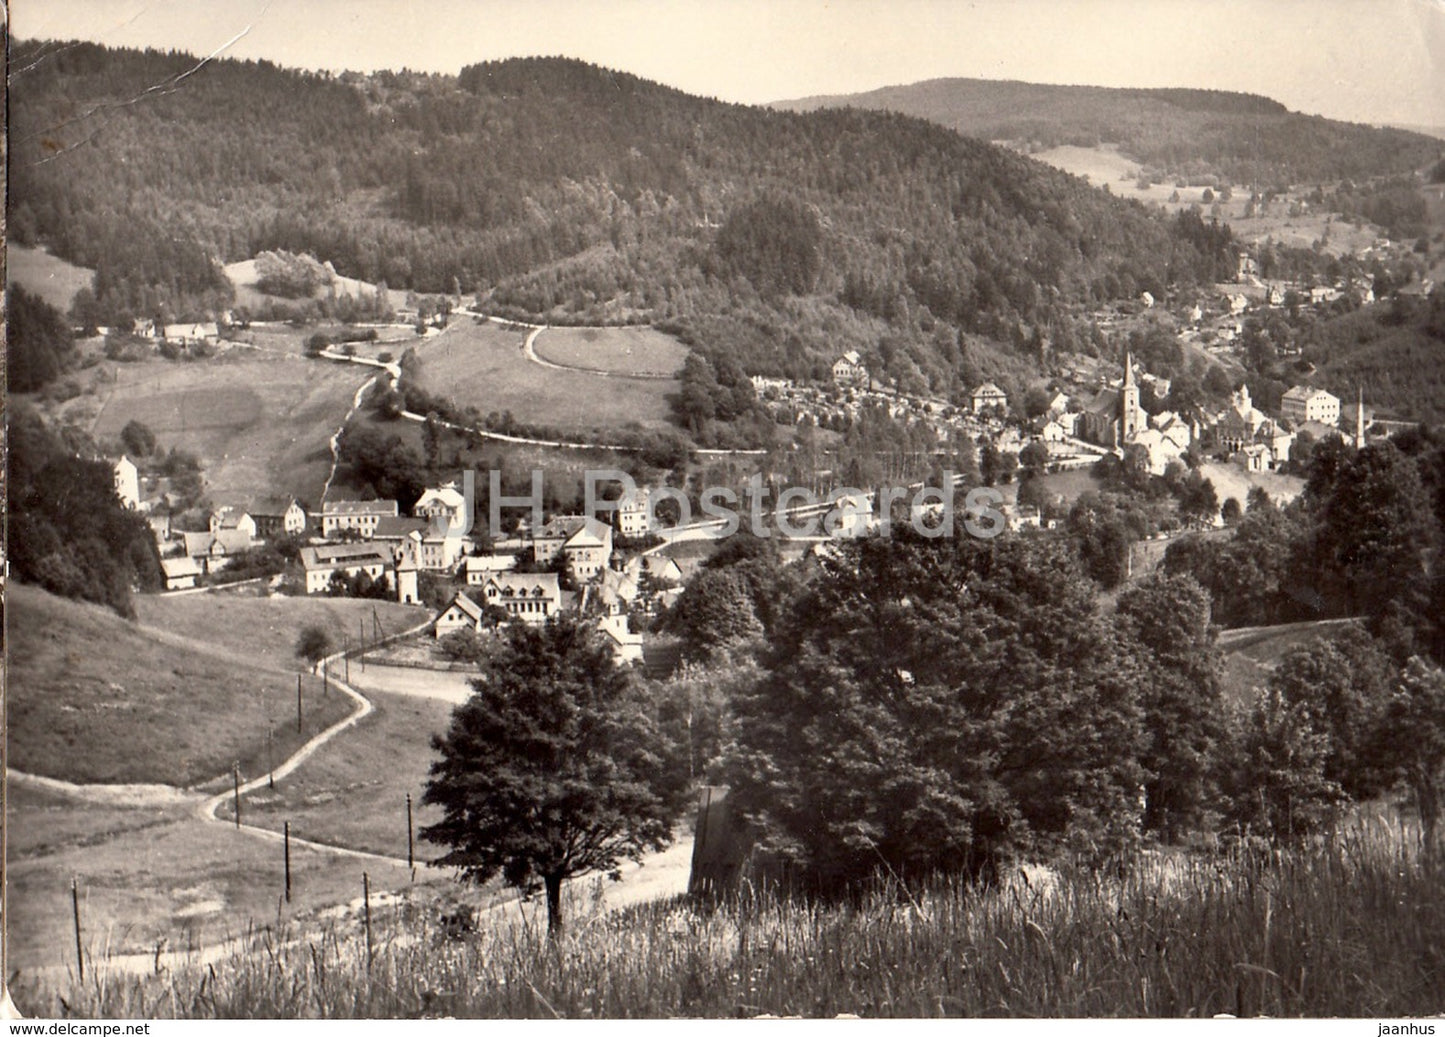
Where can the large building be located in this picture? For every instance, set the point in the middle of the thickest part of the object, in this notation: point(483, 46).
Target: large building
point(1306, 403)
point(444, 502)
point(1114, 416)
point(359, 516)
point(277, 516)
point(322, 562)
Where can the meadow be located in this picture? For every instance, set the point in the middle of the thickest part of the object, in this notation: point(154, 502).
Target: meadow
point(1346, 928)
point(263, 629)
point(261, 425)
point(481, 364)
point(353, 791)
point(153, 875)
point(53, 279)
point(639, 351)
point(154, 706)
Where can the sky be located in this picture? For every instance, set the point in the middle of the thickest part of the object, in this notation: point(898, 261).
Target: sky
point(1378, 61)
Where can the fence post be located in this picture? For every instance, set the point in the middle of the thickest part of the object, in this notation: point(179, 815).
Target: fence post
point(298, 703)
point(366, 905)
point(236, 785)
point(286, 834)
point(75, 906)
point(410, 841)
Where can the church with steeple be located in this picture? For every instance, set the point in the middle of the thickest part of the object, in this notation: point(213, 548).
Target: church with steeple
point(1114, 417)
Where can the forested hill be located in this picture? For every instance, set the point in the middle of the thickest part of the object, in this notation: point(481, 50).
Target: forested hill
point(560, 189)
point(1239, 138)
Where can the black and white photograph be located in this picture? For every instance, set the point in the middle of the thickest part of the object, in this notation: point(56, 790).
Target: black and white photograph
point(760, 510)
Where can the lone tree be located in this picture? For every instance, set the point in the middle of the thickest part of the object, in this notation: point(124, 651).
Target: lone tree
point(313, 644)
point(553, 767)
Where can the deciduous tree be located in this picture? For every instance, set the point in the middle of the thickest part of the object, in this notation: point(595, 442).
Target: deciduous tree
point(553, 768)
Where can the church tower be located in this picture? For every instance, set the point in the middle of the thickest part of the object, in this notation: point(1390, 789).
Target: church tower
point(1128, 403)
point(1360, 420)
point(407, 561)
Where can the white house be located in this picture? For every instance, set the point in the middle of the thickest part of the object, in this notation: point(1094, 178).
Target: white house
point(1053, 432)
point(988, 395)
point(442, 502)
point(180, 572)
point(1306, 403)
point(323, 561)
point(848, 369)
point(127, 482)
point(626, 646)
point(480, 568)
point(530, 597)
point(461, 613)
point(584, 541)
point(231, 517)
point(631, 513)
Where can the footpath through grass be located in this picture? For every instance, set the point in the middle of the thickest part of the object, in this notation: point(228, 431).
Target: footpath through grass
point(92, 698)
point(1349, 928)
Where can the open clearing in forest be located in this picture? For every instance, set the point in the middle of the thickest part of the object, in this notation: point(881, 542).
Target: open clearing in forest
point(639, 351)
point(42, 274)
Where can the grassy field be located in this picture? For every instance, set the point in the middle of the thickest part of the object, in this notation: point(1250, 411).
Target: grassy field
point(353, 791)
point(264, 629)
point(243, 277)
point(634, 351)
point(146, 708)
point(54, 280)
point(1350, 928)
point(260, 424)
point(1104, 165)
point(481, 365)
point(1230, 480)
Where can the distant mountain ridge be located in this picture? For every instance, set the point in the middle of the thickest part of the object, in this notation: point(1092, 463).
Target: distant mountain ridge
point(1236, 137)
point(576, 194)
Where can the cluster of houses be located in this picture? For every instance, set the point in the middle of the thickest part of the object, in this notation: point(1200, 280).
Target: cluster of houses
point(1257, 442)
point(517, 578)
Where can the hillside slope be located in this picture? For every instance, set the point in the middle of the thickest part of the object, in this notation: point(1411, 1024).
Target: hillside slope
point(143, 709)
point(566, 191)
point(1240, 138)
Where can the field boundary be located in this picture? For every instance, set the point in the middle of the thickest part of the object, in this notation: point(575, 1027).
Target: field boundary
point(529, 349)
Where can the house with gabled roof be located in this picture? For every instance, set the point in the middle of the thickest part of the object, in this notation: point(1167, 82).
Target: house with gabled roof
point(180, 573)
point(848, 369)
point(232, 517)
point(278, 516)
point(584, 541)
point(986, 396)
point(443, 503)
point(530, 597)
point(461, 613)
point(626, 646)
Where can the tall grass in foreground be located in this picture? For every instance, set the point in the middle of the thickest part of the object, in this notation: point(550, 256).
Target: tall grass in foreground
point(1351, 928)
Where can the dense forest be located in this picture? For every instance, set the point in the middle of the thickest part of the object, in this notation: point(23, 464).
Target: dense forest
point(68, 531)
point(1201, 135)
point(555, 188)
